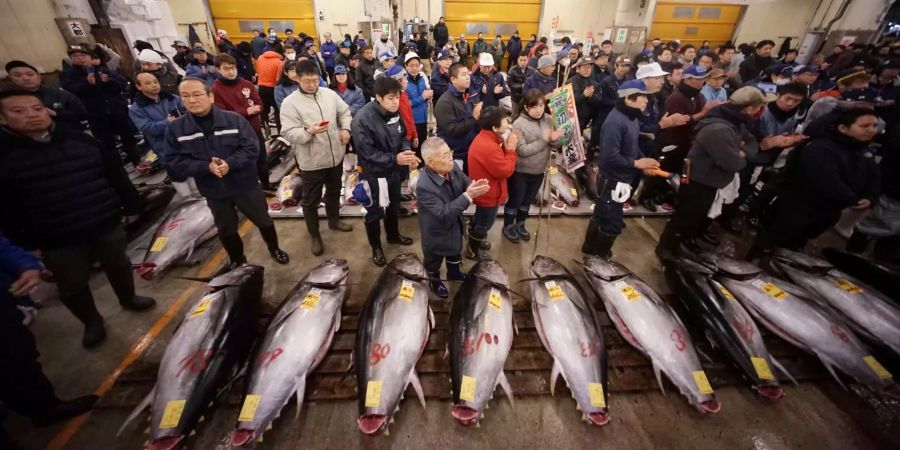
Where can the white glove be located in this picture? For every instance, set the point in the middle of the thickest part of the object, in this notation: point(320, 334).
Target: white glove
point(622, 192)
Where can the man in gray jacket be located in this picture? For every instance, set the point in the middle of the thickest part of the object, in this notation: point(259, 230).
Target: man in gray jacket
point(317, 122)
point(722, 144)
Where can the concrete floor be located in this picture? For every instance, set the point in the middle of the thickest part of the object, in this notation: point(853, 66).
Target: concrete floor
point(812, 415)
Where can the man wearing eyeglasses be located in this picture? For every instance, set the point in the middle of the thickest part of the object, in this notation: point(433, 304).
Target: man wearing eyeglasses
point(317, 123)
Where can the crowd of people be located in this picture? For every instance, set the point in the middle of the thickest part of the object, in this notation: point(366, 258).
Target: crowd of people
point(822, 135)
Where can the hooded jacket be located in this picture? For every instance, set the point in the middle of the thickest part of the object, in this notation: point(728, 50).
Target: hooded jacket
point(267, 67)
point(414, 88)
point(721, 135)
point(299, 111)
point(489, 159)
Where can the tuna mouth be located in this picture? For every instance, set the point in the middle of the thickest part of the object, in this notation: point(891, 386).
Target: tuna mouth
point(466, 416)
point(575, 203)
point(711, 406)
point(599, 418)
point(276, 206)
point(166, 443)
point(290, 202)
point(770, 392)
point(372, 423)
point(146, 271)
point(241, 437)
point(893, 391)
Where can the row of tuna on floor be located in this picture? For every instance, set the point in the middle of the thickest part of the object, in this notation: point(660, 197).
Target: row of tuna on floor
point(821, 310)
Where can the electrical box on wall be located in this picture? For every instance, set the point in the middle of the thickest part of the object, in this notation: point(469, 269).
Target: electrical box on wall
point(626, 40)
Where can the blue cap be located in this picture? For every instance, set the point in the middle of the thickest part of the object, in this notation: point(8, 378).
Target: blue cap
point(411, 45)
point(346, 44)
point(340, 68)
point(632, 87)
point(273, 36)
point(396, 71)
point(694, 71)
point(808, 68)
point(444, 55)
point(386, 56)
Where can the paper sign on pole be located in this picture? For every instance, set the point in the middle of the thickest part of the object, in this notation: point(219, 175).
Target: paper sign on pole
point(565, 117)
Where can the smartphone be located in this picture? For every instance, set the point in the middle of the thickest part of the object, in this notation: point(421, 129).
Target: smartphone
point(324, 123)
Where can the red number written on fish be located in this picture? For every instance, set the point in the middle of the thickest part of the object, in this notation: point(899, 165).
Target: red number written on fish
point(195, 362)
point(472, 344)
point(678, 339)
point(173, 224)
point(589, 349)
point(840, 333)
point(378, 353)
point(744, 327)
point(266, 358)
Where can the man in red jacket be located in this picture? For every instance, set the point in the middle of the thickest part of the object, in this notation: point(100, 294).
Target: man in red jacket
point(235, 94)
point(492, 159)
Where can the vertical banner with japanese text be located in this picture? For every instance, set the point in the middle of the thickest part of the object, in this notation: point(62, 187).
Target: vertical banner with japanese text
point(565, 117)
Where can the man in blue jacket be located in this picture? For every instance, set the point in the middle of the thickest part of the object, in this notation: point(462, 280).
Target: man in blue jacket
point(440, 74)
point(514, 47)
point(152, 111)
point(487, 82)
point(420, 95)
point(621, 163)
point(541, 79)
point(24, 387)
point(329, 50)
point(456, 114)
point(219, 149)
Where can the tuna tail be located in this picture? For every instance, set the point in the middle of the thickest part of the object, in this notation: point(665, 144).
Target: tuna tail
point(554, 374)
point(658, 378)
point(145, 271)
point(831, 370)
point(417, 386)
point(781, 368)
point(504, 383)
point(301, 391)
point(144, 404)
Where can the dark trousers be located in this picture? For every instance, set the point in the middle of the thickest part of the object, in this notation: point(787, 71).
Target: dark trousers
point(105, 128)
point(314, 182)
point(422, 132)
point(523, 188)
point(23, 386)
point(607, 213)
point(376, 212)
point(656, 188)
point(513, 59)
point(691, 218)
point(483, 220)
point(71, 266)
point(252, 204)
point(433, 261)
point(791, 224)
point(268, 98)
point(262, 160)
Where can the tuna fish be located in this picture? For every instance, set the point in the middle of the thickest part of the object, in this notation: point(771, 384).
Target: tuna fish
point(867, 311)
point(786, 310)
point(278, 160)
point(587, 177)
point(567, 325)
point(563, 185)
point(149, 163)
point(185, 227)
point(727, 324)
point(650, 325)
point(393, 331)
point(481, 334)
point(209, 345)
point(881, 276)
point(287, 194)
point(155, 200)
point(294, 343)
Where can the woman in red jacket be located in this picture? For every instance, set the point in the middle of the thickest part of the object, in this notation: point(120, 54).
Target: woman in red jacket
point(492, 159)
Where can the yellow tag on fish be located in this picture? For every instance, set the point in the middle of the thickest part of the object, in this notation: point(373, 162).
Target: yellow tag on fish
point(629, 292)
point(203, 306)
point(877, 368)
point(151, 157)
point(769, 288)
point(495, 300)
point(595, 391)
point(248, 411)
point(848, 286)
point(555, 291)
point(312, 299)
point(407, 291)
point(554, 170)
point(159, 244)
point(467, 388)
point(702, 382)
point(725, 292)
point(288, 193)
point(574, 192)
point(762, 368)
point(172, 414)
point(373, 394)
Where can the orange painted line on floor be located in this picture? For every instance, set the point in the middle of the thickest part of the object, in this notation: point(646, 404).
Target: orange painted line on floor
point(70, 428)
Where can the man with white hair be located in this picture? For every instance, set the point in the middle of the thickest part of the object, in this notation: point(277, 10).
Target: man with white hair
point(443, 193)
point(488, 83)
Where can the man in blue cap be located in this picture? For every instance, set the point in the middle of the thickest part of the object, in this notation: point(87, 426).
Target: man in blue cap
point(440, 75)
point(621, 164)
point(343, 56)
point(387, 59)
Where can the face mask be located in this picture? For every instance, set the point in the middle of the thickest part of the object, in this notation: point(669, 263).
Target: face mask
point(291, 57)
point(564, 62)
point(505, 135)
point(781, 81)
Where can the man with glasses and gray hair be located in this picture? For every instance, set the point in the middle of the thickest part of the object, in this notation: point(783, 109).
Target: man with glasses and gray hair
point(443, 193)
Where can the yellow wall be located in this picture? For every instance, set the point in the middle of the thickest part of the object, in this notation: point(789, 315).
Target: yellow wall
point(525, 14)
point(31, 34)
point(227, 14)
point(715, 30)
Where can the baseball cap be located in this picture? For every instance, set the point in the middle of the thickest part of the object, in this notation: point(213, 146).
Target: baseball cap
point(485, 59)
point(386, 56)
point(199, 49)
point(602, 53)
point(546, 61)
point(340, 68)
point(444, 55)
point(623, 60)
point(650, 70)
point(632, 87)
point(849, 74)
point(411, 45)
point(860, 95)
point(179, 44)
point(396, 72)
point(409, 56)
point(717, 73)
point(694, 71)
point(641, 58)
point(356, 57)
point(807, 68)
point(583, 61)
point(85, 49)
point(272, 36)
point(749, 96)
point(346, 44)
point(150, 56)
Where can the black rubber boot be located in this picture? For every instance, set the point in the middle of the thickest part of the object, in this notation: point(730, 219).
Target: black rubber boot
point(437, 286)
point(82, 306)
point(392, 229)
point(270, 236)
point(311, 217)
point(858, 242)
point(453, 271)
point(122, 281)
point(475, 250)
point(509, 228)
point(604, 245)
point(234, 247)
point(524, 234)
point(64, 410)
point(373, 233)
point(589, 247)
point(333, 212)
point(668, 243)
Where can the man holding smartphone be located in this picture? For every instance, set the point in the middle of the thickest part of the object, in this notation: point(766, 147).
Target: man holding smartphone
point(317, 123)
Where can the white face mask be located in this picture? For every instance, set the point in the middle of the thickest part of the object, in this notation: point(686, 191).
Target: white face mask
point(782, 81)
point(564, 62)
point(291, 56)
point(505, 135)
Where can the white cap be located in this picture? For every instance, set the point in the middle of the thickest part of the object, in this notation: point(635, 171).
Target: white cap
point(150, 56)
point(485, 59)
point(409, 56)
point(650, 70)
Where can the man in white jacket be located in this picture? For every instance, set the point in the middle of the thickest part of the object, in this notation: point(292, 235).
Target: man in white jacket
point(317, 123)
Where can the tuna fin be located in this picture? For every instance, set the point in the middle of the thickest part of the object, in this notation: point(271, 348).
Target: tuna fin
point(659, 379)
point(504, 383)
point(144, 404)
point(446, 352)
point(777, 364)
point(337, 320)
point(417, 386)
point(831, 371)
point(301, 390)
point(704, 355)
point(554, 374)
point(515, 327)
point(431, 320)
